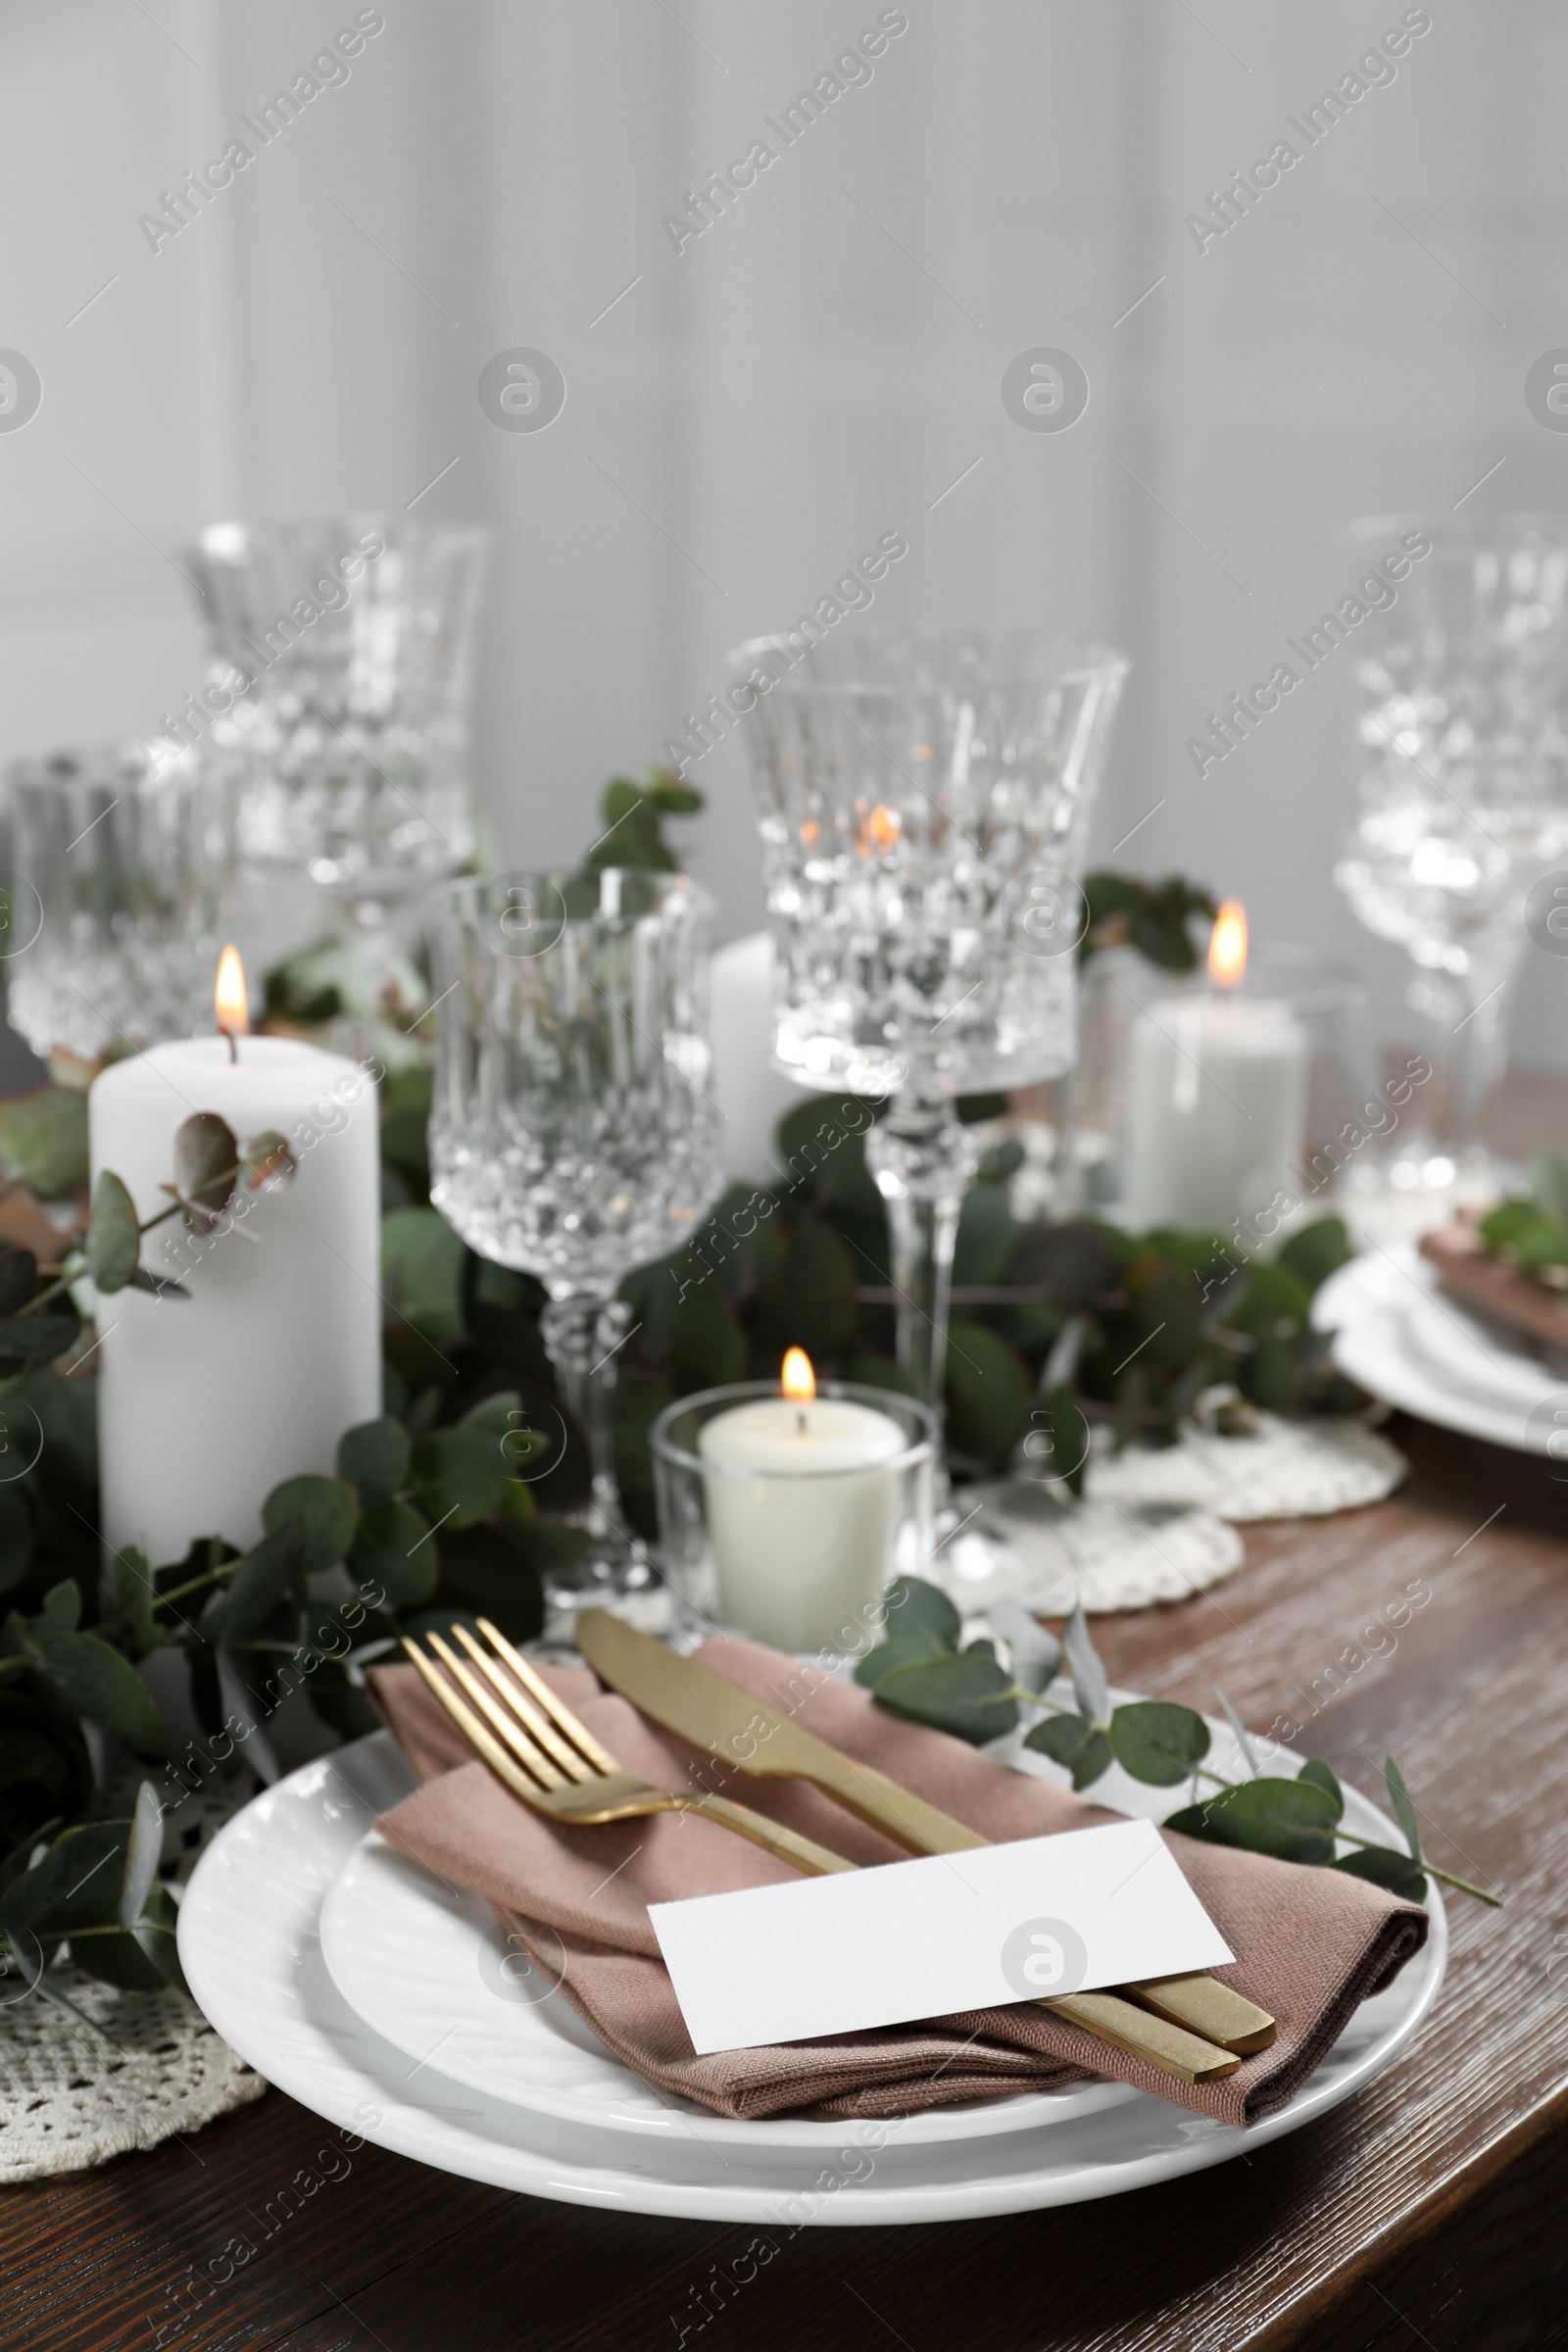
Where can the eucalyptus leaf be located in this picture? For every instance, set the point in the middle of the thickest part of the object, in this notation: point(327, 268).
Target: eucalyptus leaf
point(970, 1696)
point(988, 1392)
point(919, 1622)
point(1316, 1252)
point(1404, 1811)
point(36, 1338)
point(422, 1272)
point(1072, 1741)
point(114, 1236)
point(76, 1883)
point(1088, 1682)
point(43, 1140)
point(1323, 1773)
point(396, 1551)
point(135, 1598)
point(60, 1613)
point(1058, 1444)
point(329, 1508)
point(206, 1167)
point(99, 1681)
point(373, 1458)
point(1547, 1172)
point(1293, 1819)
point(1036, 1653)
point(461, 1475)
point(268, 1162)
point(143, 1850)
point(1239, 1728)
point(19, 1278)
point(1158, 1742)
point(1386, 1867)
point(267, 1571)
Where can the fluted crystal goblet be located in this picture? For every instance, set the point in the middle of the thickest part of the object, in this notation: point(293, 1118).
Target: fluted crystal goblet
point(924, 801)
point(572, 1130)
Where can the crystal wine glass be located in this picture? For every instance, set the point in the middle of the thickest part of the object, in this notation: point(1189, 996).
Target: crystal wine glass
point(572, 1130)
point(924, 801)
point(122, 896)
point(338, 704)
point(1461, 796)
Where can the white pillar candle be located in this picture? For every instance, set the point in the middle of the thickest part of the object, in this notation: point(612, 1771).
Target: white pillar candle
point(803, 1545)
point(750, 1093)
point(1216, 1108)
point(206, 1403)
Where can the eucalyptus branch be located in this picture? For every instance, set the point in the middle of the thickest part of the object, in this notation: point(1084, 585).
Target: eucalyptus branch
point(919, 1671)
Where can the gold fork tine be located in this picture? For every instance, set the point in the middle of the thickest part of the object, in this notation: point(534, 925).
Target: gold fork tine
point(475, 1731)
point(561, 1715)
point(539, 1730)
point(529, 1755)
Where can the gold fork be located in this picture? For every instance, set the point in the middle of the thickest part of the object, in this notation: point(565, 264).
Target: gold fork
point(552, 1762)
point(548, 1758)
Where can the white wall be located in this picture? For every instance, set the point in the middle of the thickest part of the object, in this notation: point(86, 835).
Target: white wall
point(797, 381)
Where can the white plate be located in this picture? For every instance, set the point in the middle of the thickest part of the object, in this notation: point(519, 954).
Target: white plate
point(428, 1967)
point(249, 1938)
point(1398, 1337)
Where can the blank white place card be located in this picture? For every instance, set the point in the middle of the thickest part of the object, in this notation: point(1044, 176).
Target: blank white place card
point(1028, 1921)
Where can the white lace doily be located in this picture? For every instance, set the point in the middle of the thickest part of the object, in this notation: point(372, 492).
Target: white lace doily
point(69, 2098)
point(1025, 1546)
point(1284, 1470)
point(1157, 1524)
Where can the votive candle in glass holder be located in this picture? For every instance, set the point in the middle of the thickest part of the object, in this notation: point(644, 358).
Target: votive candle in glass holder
point(785, 1510)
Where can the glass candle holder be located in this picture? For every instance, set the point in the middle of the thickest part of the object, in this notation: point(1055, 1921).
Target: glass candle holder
point(1109, 1162)
point(125, 870)
point(787, 1519)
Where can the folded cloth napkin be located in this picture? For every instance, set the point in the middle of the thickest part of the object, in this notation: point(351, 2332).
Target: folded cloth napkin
point(1310, 1943)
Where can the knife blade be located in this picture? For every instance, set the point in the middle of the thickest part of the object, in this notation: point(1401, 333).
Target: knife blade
point(707, 1713)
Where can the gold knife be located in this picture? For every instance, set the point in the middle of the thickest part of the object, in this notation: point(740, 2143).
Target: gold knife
point(1183, 2025)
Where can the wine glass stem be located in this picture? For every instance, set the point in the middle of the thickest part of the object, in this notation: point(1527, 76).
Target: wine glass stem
point(581, 1330)
point(1476, 1053)
point(922, 1160)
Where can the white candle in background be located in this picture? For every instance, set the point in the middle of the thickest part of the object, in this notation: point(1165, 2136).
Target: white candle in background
point(805, 1541)
point(206, 1403)
point(751, 1094)
point(1216, 1100)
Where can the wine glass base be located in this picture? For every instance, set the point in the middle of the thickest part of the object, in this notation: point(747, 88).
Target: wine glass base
point(619, 1576)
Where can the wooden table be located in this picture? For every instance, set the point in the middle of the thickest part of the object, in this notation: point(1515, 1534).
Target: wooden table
point(1432, 2209)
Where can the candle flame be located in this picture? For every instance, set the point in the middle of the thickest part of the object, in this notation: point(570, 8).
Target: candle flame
point(1227, 944)
point(229, 996)
point(798, 1379)
point(883, 826)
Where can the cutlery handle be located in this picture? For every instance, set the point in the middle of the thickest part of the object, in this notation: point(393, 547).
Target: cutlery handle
point(1166, 2046)
point(903, 1817)
point(785, 1845)
point(1203, 2005)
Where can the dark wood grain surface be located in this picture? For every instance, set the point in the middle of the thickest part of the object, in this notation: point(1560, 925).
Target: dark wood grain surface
point(1431, 2209)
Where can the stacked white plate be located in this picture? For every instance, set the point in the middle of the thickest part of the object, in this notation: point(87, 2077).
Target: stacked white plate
point(389, 2003)
point(1400, 1334)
